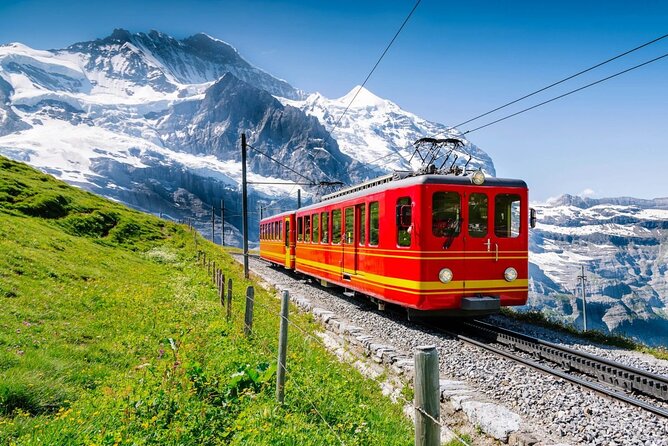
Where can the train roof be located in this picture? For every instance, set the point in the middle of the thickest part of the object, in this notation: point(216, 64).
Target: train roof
point(404, 179)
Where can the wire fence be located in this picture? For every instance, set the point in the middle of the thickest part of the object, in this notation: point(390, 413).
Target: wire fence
point(308, 336)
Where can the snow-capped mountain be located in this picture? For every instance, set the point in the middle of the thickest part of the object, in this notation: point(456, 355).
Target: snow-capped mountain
point(379, 133)
point(623, 245)
point(154, 122)
point(148, 119)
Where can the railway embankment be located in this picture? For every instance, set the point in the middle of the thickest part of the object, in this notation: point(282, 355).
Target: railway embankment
point(111, 333)
point(481, 392)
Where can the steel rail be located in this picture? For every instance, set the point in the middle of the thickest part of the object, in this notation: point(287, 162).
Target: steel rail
point(604, 370)
point(571, 378)
point(521, 341)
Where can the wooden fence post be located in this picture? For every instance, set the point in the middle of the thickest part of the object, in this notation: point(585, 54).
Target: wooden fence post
point(213, 273)
point(221, 289)
point(248, 318)
point(229, 299)
point(427, 398)
point(282, 348)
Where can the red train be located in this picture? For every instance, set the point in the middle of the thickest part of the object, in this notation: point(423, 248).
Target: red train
point(444, 244)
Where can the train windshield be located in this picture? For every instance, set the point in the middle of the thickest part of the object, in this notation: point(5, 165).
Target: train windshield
point(446, 214)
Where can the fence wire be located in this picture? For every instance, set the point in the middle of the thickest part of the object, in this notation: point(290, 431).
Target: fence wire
point(397, 396)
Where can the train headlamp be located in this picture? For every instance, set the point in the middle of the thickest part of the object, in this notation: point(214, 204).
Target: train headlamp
point(478, 177)
point(510, 274)
point(445, 275)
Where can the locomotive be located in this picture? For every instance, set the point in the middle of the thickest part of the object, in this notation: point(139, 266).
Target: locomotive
point(435, 241)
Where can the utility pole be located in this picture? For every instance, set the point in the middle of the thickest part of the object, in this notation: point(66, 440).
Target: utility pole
point(244, 204)
point(299, 198)
point(213, 223)
point(222, 222)
point(583, 281)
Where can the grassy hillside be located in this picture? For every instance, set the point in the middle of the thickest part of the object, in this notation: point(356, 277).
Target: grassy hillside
point(111, 334)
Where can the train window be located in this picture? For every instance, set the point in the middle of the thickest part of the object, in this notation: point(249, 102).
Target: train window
point(316, 228)
point(404, 221)
point(336, 226)
point(446, 214)
point(373, 223)
point(280, 230)
point(507, 215)
point(307, 228)
point(361, 209)
point(300, 229)
point(325, 227)
point(478, 215)
point(277, 231)
point(349, 226)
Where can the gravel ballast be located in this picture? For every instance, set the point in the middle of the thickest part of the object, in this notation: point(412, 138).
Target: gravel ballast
point(552, 410)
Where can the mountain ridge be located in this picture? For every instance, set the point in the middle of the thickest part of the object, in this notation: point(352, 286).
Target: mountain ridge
point(154, 122)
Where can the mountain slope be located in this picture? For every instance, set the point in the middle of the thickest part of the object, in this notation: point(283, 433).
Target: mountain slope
point(230, 106)
point(379, 133)
point(623, 245)
point(112, 333)
point(154, 122)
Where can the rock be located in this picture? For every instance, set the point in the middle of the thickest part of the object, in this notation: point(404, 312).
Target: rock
point(494, 420)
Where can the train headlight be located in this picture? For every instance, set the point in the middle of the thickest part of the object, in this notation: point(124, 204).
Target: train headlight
point(478, 177)
point(445, 275)
point(510, 274)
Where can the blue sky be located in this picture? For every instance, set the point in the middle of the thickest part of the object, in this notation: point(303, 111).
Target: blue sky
point(454, 60)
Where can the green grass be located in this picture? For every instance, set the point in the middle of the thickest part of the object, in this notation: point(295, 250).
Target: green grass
point(537, 318)
point(111, 334)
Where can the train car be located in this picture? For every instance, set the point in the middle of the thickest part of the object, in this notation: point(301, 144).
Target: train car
point(433, 243)
point(277, 239)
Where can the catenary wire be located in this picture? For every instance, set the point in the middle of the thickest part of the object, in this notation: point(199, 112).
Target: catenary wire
point(282, 165)
point(534, 93)
point(562, 80)
point(566, 94)
point(376, 65)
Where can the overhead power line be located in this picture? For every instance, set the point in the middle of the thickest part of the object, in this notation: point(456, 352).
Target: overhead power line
point(563, 80)
point(541, 90)
point(376, 65)
point(566, 94)
point(310, 180)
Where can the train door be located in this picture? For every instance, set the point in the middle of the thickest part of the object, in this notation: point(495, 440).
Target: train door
point(479, 243)
point(350, 241)
point(447, 233)
point(289, 245)
point(509, 237)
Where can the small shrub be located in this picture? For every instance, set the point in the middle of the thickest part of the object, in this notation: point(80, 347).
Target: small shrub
point(45, 205)
point(126, 231)
point(29, 397)
point(17, 397)
point(95, 225)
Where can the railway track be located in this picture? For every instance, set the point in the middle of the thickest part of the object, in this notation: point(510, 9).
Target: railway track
point(612, 379)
